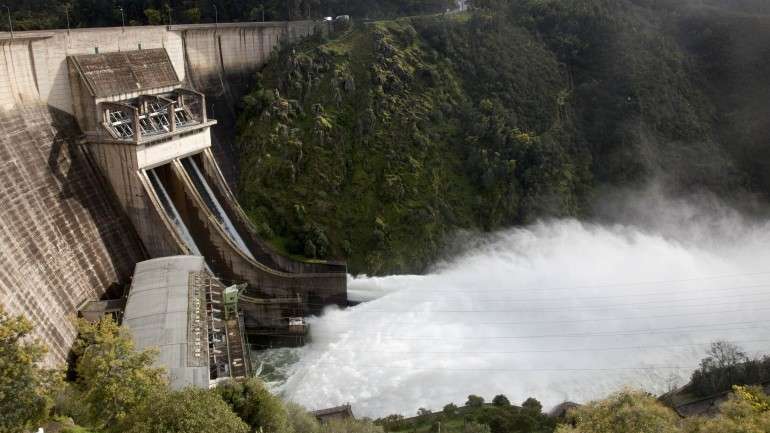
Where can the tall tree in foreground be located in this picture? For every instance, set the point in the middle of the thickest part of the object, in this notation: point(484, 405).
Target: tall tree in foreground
point(25, 387)
point(113, 378)
point(254, 403)
point(188, 411)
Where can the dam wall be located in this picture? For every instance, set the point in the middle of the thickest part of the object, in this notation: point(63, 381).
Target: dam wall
point(64, 238)
point(218, 60)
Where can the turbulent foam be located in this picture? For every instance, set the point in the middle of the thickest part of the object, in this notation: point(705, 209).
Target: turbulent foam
point(560, 311)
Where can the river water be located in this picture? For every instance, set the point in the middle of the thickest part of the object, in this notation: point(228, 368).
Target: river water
point(560, 310)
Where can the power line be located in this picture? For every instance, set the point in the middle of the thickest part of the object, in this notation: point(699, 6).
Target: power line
point(519, 352)
point(521, 370)
point(649, 331)
point(532, 337)
point(625, 295)
point(599, 319)
point(597, 285)
point(572, 308)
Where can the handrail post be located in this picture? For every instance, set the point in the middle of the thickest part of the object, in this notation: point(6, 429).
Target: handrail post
point(137, 126)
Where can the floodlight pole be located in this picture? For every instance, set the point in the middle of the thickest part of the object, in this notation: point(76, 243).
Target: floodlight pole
point(122, 18)
point(216, 15)
point(67, 13)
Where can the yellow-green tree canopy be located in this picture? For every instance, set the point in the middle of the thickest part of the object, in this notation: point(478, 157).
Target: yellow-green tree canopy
point(25, 387)
point(254, 403)
point(301, 420)
point(112, 377)
point(349, 426)
point(747, 411)
point(623, 412)
point(188, 411)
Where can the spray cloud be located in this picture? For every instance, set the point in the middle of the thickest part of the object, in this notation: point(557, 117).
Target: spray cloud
point(560, 310)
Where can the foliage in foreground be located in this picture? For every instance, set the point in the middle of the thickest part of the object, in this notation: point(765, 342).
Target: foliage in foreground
point(746, 411)
point(113, 379)
point(25, 387)
point(625, 412)
point(187, 411)
point(118, 389)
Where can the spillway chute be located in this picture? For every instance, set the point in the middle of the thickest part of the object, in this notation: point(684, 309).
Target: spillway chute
point(171, 211)
point(208, 196)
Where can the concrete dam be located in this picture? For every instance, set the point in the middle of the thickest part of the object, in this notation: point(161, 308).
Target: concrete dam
point(115, 148)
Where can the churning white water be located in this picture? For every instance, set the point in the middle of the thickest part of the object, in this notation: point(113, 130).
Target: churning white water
point(559, 311)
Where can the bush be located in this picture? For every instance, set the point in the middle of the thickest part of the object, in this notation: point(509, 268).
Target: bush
point(189, 411)
point(501, 400)
point(255, 405)
point(113, 379)
point(474, 401)
point(624, 412)
point(25, 387)
point(747, 410)
point(301, 420)
point(350, 426)
point(450, 409)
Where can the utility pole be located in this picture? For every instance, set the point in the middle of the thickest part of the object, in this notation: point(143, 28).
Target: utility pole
point(10, 22)
point(67, 13)
point(122, 18)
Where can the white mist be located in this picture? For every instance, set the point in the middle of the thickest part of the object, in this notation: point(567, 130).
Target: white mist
point(559, 311)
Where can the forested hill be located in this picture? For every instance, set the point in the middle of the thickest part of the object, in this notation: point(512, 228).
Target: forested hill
point(378, 144)
point(50, 14)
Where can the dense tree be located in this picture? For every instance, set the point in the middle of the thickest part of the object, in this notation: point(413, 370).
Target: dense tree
point(422, 134)
point(450, 409)
point(747, 411)
point(624, 412)
point(532, 405)
point(501, 400)
point(722, 354)
point(112, 377)
point(474, 401)
point(188, 411)
point(350, 426)
point(41, 14)
point(301, 420)
point(25, 387)
point(474, 427)
point(724, 366)
point(255, 405)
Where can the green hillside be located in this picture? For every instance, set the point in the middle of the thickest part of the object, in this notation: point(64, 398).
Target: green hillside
point(378, 144)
